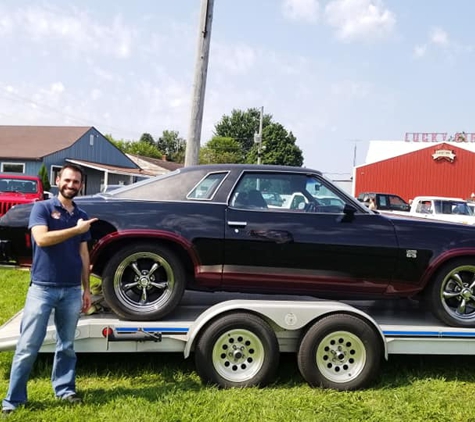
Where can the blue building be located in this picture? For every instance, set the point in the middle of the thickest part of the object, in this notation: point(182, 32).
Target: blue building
point(24, 149)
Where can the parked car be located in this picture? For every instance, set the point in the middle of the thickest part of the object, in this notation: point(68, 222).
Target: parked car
point(19, 189)
point(385, 201)
point(209, 228)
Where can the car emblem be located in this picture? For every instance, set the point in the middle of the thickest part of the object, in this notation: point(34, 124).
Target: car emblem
point(411, 253)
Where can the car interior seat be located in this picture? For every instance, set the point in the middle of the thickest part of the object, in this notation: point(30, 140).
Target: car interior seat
point(255, 199)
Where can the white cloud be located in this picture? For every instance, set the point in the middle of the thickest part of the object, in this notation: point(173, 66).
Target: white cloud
point(301, 10)
point(96, 94)
point(420, 50)
point(57, 88)
point(439, 37)
point(359, 19)
point(236, 59)
point(350, 89)
point(75, 29)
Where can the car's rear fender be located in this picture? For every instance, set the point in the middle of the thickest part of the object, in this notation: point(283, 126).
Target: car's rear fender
point(111, 243)
point(443, 259)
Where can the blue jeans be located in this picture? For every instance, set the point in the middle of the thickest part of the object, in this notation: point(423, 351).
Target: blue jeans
point(40, 302)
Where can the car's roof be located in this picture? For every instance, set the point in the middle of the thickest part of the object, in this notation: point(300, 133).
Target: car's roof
point(438, 198)
point(258, 167)
point(17, 176)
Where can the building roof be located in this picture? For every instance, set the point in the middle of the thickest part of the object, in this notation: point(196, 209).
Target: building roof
point(383, 150)
point(35, 142)
point(154, 164)
point(126, 171)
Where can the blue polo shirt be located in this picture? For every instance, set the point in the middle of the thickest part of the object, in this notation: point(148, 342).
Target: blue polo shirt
point(59, 265)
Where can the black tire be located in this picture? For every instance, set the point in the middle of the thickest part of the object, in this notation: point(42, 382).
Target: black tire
point(237, 350)
point(143, 282)
point(451, 295)
point(341, 352)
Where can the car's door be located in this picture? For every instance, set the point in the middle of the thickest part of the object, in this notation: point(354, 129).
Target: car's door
point(308, 249)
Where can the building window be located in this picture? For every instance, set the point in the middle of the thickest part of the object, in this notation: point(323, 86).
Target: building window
point(54, 174)
point(13, 167)
point(91, 139)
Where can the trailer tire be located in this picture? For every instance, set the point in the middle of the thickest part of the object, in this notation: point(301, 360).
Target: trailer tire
point(237, 350)
point(340, 351)
point(143, 282)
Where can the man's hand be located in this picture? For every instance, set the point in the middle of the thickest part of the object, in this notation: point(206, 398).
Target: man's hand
point(86, 300)
point(84, 225)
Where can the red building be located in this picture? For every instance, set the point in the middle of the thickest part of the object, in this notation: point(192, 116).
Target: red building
point(430, 168)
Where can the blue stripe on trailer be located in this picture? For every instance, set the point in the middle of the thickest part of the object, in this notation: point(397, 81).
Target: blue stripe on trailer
point(438, 334)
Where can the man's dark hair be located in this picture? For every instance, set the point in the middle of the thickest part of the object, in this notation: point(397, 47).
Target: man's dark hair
point(72, 167)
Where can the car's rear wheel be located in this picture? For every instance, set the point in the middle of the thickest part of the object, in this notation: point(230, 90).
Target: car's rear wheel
point(143, 282)
point(237, 350)
point(452, 293)
point(341, 352)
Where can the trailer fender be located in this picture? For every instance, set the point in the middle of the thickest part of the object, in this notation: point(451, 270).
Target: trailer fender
point(288, 315)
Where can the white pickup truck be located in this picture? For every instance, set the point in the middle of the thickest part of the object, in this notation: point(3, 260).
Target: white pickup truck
point(454, 210)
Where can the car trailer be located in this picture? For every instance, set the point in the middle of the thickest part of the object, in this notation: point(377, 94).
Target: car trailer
point(237, 343)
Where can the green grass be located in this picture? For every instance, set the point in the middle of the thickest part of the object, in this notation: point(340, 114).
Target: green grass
point(165, 387)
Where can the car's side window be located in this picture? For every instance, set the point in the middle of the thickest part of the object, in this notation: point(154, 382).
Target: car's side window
point(291, 192)
point(207, 186)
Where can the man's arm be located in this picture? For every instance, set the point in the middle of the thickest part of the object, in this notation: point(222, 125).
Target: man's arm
point(44, 237)
point(85, 274)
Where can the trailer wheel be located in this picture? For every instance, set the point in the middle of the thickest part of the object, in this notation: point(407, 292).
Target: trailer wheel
point(143, 282)
point(452, 293)
point(237, 350)
point(341, 352)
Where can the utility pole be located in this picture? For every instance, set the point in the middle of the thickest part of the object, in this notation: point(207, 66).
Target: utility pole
point(199, 85)
point(258, 137)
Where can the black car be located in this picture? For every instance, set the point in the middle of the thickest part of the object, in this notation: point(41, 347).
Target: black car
point(211, 228)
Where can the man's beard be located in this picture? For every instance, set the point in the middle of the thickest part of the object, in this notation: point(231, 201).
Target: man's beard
point(69, 193)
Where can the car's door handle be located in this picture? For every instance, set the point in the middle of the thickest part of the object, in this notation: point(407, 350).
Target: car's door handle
point(237, 223)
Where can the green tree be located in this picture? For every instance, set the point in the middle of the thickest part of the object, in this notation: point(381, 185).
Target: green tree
point(142, 147)
point(222, 150)
point(147, 138)
point(242, 125)
point(43, 175)
point(278, 147)
point(172, 146)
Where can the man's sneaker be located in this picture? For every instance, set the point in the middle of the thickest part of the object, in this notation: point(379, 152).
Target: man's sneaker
point(6, 412)
point(73, 399)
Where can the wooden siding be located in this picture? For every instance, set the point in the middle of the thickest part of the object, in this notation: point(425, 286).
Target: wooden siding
point(102, 151)
point(417, 173)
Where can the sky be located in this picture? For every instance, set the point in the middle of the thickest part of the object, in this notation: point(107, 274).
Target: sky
point(337, 73)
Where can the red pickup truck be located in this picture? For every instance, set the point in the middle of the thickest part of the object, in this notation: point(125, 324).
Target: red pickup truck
point(19, 189)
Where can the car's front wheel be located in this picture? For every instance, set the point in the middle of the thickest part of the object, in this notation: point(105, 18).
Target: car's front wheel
point(452, 293)
point(143, 282)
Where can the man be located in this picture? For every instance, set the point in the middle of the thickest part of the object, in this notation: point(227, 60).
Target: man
point(60, 231)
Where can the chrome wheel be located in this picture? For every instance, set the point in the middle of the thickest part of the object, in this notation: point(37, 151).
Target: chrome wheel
point(143, 281)
point(457, 293)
